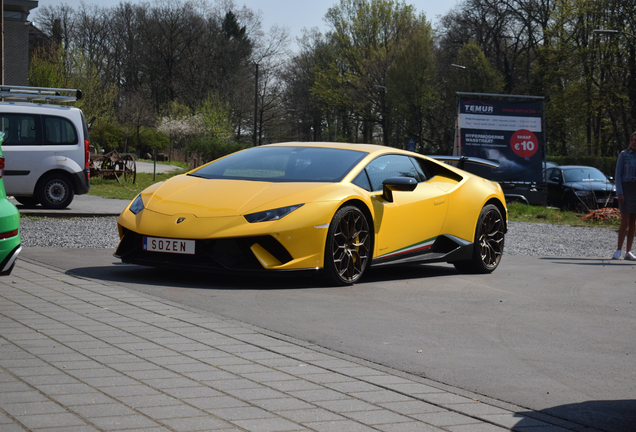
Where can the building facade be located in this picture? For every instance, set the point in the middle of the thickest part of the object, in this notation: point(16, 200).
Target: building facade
point(17, 30)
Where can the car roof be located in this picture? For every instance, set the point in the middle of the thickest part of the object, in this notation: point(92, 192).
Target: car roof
point(576, 167)
point(33, 107)
point(369, 148)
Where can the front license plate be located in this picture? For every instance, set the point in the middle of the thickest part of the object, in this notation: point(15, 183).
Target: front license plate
point(168, 245)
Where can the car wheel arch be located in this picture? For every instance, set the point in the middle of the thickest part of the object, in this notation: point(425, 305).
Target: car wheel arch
point(364, 208)
point(502, 209)
point(486, 254)
point(332, 270)
point(57, 172)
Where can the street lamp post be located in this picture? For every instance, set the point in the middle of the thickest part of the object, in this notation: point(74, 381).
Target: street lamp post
point(470, 69)
point(613, 32)
point(255, 104)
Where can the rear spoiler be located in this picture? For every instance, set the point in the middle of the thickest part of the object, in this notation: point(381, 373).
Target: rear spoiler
point(462, 160)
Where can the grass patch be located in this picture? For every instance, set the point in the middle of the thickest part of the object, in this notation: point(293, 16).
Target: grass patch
point(518, 212)
point(127, 191)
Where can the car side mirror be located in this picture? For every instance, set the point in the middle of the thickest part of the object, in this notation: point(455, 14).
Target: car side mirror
point(397, 184)
point(555, 179)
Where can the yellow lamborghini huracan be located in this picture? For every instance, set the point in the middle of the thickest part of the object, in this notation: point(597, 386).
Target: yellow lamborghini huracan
point(339, 208)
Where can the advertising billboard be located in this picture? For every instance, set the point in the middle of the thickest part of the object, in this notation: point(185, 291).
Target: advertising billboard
point(506, 131)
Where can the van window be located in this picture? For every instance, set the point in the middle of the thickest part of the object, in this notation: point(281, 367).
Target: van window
point(26, 129)
point(21, 129)
point(58, 130)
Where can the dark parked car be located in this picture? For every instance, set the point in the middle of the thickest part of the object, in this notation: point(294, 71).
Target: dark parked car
point(573, 187)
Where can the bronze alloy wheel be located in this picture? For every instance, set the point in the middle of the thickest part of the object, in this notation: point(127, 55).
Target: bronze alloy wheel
point(348, 246)
point(491, 238)
point(489, 243)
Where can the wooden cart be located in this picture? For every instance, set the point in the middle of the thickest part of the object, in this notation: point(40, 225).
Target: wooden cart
point(114, 166)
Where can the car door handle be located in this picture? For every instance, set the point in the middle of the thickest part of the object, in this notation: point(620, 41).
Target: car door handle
point(439, 201)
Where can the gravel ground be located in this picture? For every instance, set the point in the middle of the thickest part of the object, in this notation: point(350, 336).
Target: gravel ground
point(522, 238)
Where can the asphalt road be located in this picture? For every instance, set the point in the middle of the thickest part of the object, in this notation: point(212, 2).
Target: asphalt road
point(555, 335)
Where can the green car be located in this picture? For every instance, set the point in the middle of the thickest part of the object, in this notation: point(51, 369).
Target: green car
point(10, 243)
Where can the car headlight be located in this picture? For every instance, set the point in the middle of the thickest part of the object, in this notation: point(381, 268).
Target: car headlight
point(585, 193)
point(137, 205)
point(271, 215)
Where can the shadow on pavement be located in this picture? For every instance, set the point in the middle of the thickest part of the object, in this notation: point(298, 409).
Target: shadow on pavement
point(586, 261)
point(129, 273)
point(605, 415)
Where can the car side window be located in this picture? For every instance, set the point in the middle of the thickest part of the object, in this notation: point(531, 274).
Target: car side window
point(389, 166)
point(554, 173)
point(362, 180)
point(421, 169)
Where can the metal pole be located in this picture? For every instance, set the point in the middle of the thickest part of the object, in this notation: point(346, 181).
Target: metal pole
point(632, 79)
point(2, 42)
point(256, 106)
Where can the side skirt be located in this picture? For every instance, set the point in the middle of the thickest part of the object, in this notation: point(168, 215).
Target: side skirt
point(446, 248)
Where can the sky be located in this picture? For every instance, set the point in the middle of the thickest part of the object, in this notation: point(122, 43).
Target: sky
point(293, 14)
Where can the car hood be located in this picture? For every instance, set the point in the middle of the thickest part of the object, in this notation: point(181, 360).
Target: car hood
point(591, 185)
point(217, 198)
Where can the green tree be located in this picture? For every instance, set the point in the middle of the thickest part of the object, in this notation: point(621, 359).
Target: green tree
point(57, 68)
point(216, 118)
point(586, 78)
point(99, 98)
point(215, 132)
point(149, 140)
point(106, 136)
point(45, 69)
point(478, 76)
point(412, 88)
point(305, 113)
point(368, 36)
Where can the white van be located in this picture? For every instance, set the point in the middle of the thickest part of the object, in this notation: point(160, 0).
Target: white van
point(46, 146)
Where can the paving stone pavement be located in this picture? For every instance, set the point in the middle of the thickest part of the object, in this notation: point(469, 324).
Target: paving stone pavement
point(80, 355)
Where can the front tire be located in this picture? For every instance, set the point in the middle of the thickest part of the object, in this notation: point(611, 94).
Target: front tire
point(55, 191)
point(489, 243)
point(348, 247)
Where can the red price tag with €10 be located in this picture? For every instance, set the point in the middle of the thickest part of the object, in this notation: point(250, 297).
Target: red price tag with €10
point(524, 143)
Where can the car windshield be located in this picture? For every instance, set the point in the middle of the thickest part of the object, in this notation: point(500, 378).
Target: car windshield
point(284, 164)
point(583, 175)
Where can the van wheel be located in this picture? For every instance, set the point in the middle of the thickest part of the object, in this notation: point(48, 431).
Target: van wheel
point(28, 202)
point(55, 191)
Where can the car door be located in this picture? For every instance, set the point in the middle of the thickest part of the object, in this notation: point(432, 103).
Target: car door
point(554, 180)
point(410, 223)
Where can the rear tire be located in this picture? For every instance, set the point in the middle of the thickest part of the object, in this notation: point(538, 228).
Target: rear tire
point(348, 247)
point(55, 191)
point(489, 243)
